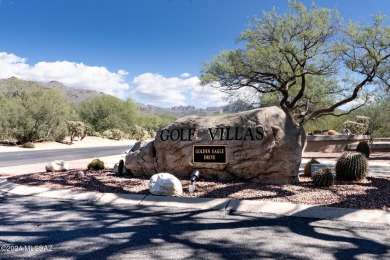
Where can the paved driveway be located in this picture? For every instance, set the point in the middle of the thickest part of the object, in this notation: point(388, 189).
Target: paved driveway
point(45, 228)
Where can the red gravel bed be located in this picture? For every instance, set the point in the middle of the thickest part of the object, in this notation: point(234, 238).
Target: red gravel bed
point(372, 193)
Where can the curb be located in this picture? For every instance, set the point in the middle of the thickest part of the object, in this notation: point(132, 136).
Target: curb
point(277, 208)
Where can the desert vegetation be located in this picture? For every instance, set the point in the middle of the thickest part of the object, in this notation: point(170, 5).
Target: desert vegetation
point(31, 113)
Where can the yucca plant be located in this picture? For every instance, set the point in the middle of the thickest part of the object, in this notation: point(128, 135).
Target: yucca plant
point(351, 167)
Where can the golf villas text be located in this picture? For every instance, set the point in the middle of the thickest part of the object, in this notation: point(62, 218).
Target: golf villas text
point(217, 133)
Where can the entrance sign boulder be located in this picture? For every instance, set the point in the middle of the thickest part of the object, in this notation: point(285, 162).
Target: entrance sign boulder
point(260, 145)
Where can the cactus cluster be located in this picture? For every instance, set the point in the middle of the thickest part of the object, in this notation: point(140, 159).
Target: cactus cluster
point(351, 167)
point(323, 177)
point(364, 148)
point(307, 170)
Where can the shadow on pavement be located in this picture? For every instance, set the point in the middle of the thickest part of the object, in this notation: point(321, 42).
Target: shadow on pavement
point(85, 230)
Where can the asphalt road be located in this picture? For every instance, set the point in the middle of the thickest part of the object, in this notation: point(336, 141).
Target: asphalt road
point(8, 159)
point(43, 228)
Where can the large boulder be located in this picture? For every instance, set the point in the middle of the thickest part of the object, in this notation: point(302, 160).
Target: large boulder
point(260, 145)
point(165, 184)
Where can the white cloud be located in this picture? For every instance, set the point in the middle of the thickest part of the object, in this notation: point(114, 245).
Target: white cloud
point(157, 90)
point(185, 75)
point(71, 74)
point(148, 88)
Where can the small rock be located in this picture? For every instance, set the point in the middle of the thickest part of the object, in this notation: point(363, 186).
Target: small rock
point(57, 166)
point(80, 175)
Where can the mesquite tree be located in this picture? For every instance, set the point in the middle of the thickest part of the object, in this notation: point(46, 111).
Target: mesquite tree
point(308, 59)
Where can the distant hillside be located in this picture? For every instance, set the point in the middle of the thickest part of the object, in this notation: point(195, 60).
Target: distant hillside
point(76, 96)
point(235, 107)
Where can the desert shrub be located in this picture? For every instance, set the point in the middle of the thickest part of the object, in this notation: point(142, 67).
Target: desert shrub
point(107, 112)
point(137, 133)
point(30, 112)
point(359, 126)
point(117, 134)
point(307, 170)
point(77, 129)
point(364, 148)
point(107, 134)
point(61, 133)
point(28, 145)
point(96, 165)
point(332, 132)
point(323, 177)
point(355, 127)
point(114, 134)
point(97, 134)
point(351, 167)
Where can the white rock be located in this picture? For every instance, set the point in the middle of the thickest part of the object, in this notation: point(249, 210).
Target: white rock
point(57, 166)
point(165, 184)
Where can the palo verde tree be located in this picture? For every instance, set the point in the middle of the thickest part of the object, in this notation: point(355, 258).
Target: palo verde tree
point(32, 114)
point(309, 60)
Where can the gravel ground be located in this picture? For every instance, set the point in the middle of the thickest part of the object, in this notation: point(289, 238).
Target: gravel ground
point(371, 193)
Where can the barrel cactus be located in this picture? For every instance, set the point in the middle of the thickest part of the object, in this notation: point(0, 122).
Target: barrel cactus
point(323, 177)
point(351, 167)
point(364, 148)
point(96, 165)
point(307, 170)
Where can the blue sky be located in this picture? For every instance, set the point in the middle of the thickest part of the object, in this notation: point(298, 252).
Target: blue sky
point(149, 50)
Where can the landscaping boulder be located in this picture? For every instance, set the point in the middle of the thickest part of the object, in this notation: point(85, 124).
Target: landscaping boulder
point(260, 145)
point(57, 166)
point(165, 184)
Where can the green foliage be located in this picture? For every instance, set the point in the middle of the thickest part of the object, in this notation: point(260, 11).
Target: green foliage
point(307, 169)
point(379, 113)
point(96, 165)
point(305, 60)
point(323, 177)
point(77, 129)
point(148, 125)
point(359, 126)
point(351, 167)
point(30, 113)
point(97, 134)
point(364, 148)
point(114, 134)
point(107, 112)
point(28, 145)
point(61, 132)
point(138, 133)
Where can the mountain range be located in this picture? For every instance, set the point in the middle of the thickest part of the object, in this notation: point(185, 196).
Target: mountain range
point(75, 96)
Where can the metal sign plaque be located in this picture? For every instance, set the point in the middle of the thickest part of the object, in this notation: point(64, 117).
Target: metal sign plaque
point(209, 154)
